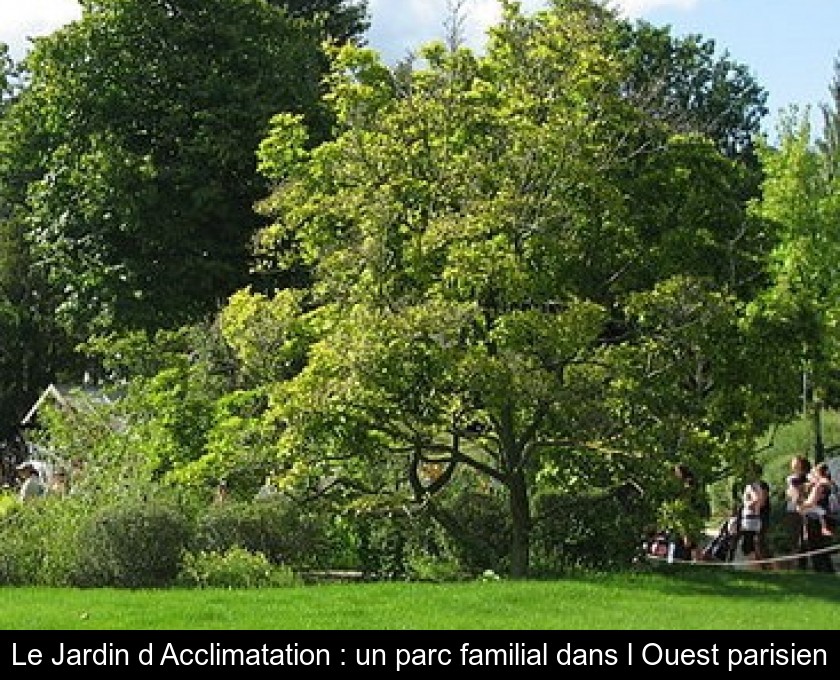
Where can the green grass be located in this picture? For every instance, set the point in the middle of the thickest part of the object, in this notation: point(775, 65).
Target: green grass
point(682, 598)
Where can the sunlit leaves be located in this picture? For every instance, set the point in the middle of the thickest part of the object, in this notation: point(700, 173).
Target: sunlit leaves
point(269, 336)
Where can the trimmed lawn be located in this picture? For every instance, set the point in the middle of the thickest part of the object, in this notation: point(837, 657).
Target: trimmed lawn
point(670, 598)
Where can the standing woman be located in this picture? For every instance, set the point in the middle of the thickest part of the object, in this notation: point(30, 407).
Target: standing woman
point(796, 491)
point(755, 516)
point(816, 538)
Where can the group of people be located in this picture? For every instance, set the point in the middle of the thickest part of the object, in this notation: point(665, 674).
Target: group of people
point(809, 519)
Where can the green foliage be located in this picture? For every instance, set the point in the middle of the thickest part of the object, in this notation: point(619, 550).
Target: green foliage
point(594, 531)
point(693, 87)
point(285, 533)
point(129, 209)
point(8, 502)
point(40, 540)
point(92, 440)
point(436, 568)
point(801, 204)
point(382, 545)
point(7, 77)
point(234, 568)
point(829, 141)
point(340, 20)
point(535, 309)
point(269, 336)
point(522, 266)
point(478, 529)
point(131, 544)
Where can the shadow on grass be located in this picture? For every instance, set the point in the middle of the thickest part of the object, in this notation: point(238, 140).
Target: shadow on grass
point(726, 580)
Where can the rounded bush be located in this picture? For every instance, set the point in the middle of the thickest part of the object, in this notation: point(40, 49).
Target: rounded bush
point(134, 545)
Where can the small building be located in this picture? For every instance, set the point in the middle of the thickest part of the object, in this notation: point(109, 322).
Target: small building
point(70, 398)
point(67, 398)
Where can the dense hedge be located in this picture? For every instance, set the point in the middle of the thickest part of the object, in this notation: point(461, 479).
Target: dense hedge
point(132, 545)
point(284, 532)
point(600, 531)
point(157, 542)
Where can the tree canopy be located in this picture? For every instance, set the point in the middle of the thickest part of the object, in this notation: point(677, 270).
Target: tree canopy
point(140, 206)
point(486, 297)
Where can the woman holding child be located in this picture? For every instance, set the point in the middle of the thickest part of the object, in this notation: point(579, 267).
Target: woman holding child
point(819, 525)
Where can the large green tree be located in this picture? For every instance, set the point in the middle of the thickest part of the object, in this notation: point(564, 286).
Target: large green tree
point(30, 344)
point(127, 170)
point(139, 206)
point(483, 299)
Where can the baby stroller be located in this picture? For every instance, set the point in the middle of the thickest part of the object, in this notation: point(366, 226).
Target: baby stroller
point(663, 544)
point(722, 547)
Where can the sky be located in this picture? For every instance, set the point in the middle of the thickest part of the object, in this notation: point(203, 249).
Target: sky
point(789, 46)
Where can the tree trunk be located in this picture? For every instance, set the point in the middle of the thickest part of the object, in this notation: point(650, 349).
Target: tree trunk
point(520, 514)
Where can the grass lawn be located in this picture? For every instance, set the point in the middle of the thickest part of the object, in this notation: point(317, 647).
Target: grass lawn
point(669, 598)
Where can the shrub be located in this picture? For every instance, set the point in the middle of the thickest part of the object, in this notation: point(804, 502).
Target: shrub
point(235, 568)
point(279, 529)
point(21, 550)
point(599, 531)
point(436, 568)
point(133, 545)
point(39, 541)
point(381, 539)
point(478, 529)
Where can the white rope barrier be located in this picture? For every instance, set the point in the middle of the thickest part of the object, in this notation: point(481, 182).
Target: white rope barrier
point(746, 563)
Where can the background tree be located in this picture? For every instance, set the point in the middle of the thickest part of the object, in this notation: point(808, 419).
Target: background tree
point(33, 350)
point(694, 101)
point(829, 141)
point(685, 82)
point(7, 77)
point(342, 21)
point(141, 209)
point(127, 177)
point(800, 203)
